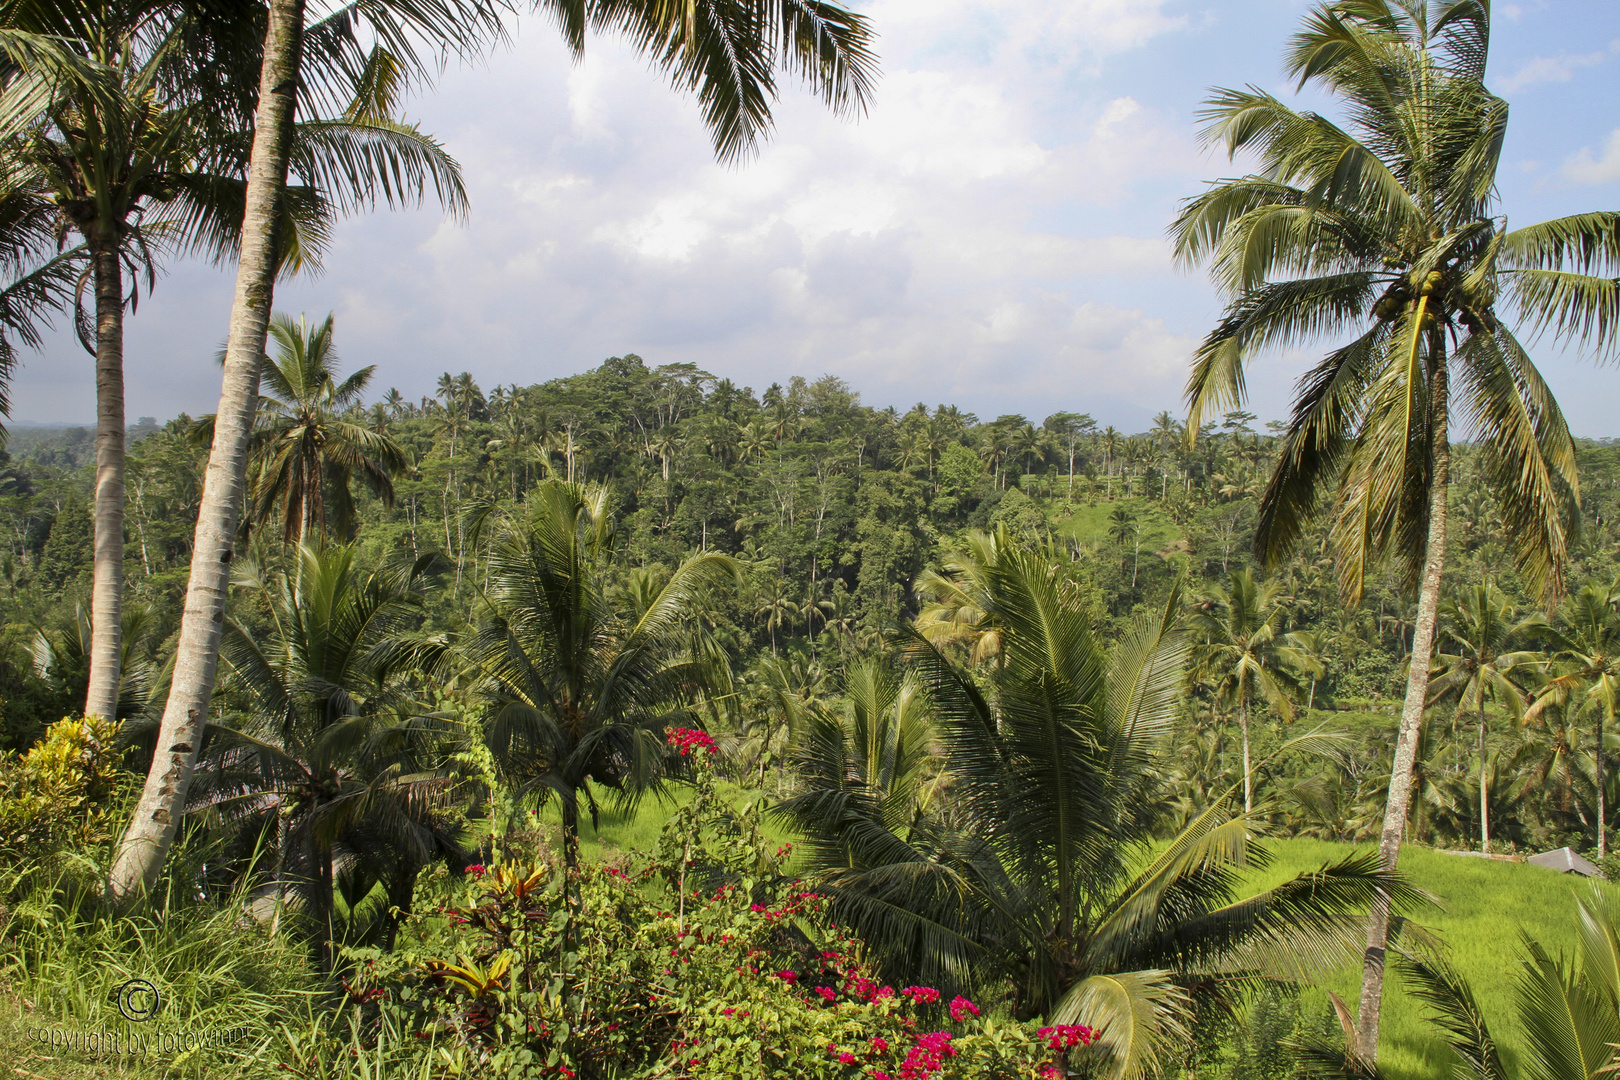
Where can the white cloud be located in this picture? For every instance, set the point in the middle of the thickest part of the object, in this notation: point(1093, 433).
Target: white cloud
point(1560, 68)
point(1585, 167)
point(973, 238)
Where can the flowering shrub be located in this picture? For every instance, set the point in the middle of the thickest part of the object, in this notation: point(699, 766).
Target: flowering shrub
point(702, 962)
point(686, 740)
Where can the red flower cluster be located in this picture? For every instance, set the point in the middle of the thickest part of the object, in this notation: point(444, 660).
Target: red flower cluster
point(928, 1056)
point(922, 995)
point(1066, 1036)
point(789, 977)
point(961, 1007)
point(687, 740)
point(475, 869)
point(827, 993)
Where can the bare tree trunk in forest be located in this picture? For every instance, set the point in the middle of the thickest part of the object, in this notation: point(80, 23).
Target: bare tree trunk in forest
point(151, 831)
point(1417, 689)
point(107, 592)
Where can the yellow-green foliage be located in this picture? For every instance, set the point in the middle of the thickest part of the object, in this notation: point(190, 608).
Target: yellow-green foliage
point(60, 793)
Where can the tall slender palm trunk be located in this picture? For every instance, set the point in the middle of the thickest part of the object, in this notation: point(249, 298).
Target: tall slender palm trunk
point(1484, 789)
point(1417, 690)
point(1248, 769)
point(1602, 807)
point(146, 842)
point(107, 590)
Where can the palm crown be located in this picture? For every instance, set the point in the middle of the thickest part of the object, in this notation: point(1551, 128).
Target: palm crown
point(1387, 228)
point(307, 451)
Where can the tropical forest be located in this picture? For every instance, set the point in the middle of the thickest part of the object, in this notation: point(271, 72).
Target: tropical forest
point(648, 721)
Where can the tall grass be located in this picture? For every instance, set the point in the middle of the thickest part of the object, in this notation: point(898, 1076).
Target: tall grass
point(66, 954)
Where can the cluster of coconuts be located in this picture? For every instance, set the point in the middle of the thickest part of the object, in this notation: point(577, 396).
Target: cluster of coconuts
point(1399, 295)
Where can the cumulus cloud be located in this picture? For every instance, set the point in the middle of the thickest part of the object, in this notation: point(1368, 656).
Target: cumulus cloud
point(1560, 68)
point(989, 233)
point(1587, 167)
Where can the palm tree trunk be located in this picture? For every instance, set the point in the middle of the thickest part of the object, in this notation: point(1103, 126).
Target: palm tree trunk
point(107, 592)
point(1484, 791)
point(1602, 808)
point(570, 834)
point(1417, 689)
point(146, 842)
point(1248, 784)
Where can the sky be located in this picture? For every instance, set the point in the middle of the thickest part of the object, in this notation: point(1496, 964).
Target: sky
point(990, 234)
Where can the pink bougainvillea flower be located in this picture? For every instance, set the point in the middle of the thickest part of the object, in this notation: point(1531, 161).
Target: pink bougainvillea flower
point(961, 1008)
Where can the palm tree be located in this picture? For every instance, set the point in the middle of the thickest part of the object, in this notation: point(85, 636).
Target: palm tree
point(1038, 866)
point(1484, 640)
point(1123, 527)
point(579, 691)
point(1586, 673)
point(395, 163)
point(874, 759)
point(1242, 649)
point(1388, 227)
point(319, 745)
point(777, 607)
point(145, 131)
point(728, 54)
point(307, 453)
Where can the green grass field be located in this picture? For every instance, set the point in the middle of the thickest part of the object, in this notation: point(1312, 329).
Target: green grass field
point(1089, 524)
point(1484, 905)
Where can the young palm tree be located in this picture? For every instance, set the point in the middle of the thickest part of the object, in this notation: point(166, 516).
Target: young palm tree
point(317, 745)
point(307, 452)
point(872, 761)
point(1242, 649)
point(1586, 673)
point(1038, 867)
point(1386, 229)
point(1484, 640)
point(579, 690)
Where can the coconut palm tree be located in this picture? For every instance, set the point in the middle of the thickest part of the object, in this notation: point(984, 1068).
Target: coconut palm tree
point(1244, 652)
point(580, 690)
point(1482, 648)
point(307, 452)
point(142, 151)
point(318, 744)
point(395, 164)
point(872, 760)
point(1385, 229)
point(1038, 867)
point(1585, 673)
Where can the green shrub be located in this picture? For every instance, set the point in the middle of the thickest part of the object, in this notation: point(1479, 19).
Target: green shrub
point(60, 794)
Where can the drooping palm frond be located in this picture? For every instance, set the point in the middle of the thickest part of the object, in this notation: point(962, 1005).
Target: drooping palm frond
point(1453, 1009)
point(728, 55)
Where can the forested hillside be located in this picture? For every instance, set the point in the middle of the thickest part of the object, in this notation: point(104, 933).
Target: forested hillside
point(850, 521)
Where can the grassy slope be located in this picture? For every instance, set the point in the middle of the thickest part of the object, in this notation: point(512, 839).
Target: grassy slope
point(1484, 906)
point(1089, 524)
